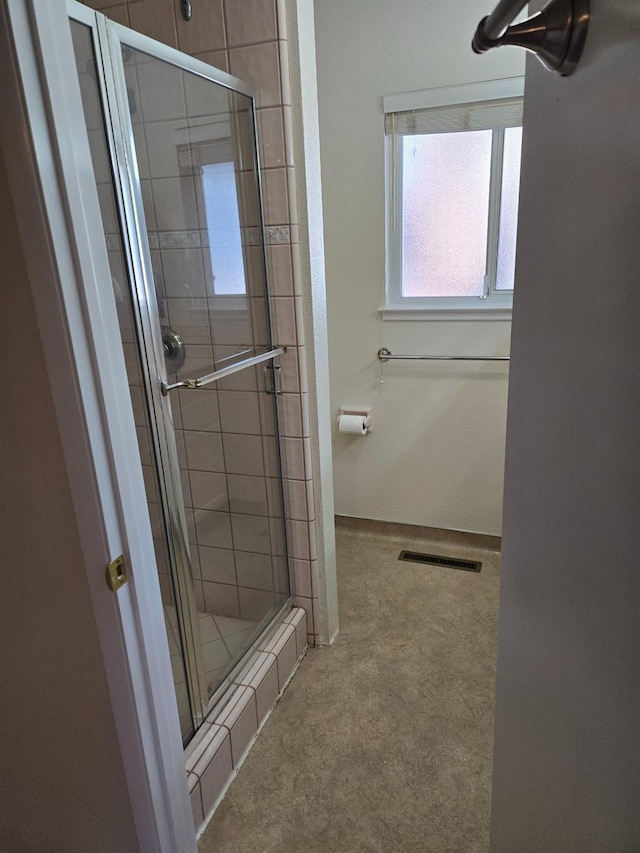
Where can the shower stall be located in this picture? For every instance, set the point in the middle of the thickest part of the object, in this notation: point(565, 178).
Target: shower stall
point(173, 145)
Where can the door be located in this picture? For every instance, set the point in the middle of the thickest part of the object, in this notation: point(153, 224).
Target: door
point(566, 768)
point(174, 153)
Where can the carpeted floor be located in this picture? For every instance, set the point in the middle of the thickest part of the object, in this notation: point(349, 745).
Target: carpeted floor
point(382, 742)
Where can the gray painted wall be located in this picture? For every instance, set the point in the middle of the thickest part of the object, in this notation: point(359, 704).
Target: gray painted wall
point(62, 783)
point(567, 755)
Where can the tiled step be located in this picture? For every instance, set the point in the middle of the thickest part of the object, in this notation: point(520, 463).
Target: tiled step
point(221, 744)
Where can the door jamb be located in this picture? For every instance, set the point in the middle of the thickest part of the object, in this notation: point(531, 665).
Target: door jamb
point(60, 228)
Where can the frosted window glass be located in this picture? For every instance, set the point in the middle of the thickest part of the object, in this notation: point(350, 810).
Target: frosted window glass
point(445, 191)
point(509, 208)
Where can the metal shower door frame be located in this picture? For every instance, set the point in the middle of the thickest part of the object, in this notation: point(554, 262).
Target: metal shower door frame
point(110, 76)
point(108, 40)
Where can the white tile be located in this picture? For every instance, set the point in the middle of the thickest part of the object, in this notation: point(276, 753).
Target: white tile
point(205, 35)
point(301, 570)
point(283, 52)
point(190, 239)
point(293, 458)
point(276, 531)
point(199, 411)
point(181, 448)
point(220, 599)
point(191, 526)
point(240, 642)
point(213, 528)
point(290, 418)
point(214, 765)
point(295, 500)
point(239, 412)
point(298, 539)
point(243, 454)
point(240, 716)
point(175, 204)
point(196, 805)
point(262, 675)
point(292, 195)
point(267, 691)
point(276, 196)
point(150, 476)
point(209, 491)
point(267, 414)
point(274, 497)
point(289, 135)
point(298, 618)
point(183, 272)
point(208, 629)
point(215, 655)
point(280, 270)
point(307, 605)
point(190, 318)
point(217, 565)
point(152, 18)
point(255, 604)
point(204, 451)
point(270, 455)
point(161, 91)
point(281, 576)
point(283, 645)
point(254, 570)
point(243, 380)
point(247, 494)
point(259, 66)
point(284, 321)
point(250, 533)
point(228, 626)
point(271, 136)
point(235, 332)
point(156, 520)
point(163, 139)
point(205, 99)
point(250, 22)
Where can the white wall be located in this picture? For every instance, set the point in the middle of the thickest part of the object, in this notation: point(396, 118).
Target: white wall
point(435, 456)
point(566, 764)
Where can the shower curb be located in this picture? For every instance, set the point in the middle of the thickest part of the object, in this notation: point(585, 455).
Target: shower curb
point(222, 743)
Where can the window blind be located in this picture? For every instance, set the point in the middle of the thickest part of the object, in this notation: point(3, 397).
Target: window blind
point(205, 153)
point(483, 115)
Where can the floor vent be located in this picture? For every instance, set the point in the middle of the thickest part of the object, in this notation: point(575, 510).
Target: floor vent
point(446, 562)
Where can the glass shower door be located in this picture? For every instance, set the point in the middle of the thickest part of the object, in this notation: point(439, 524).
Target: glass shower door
point(180, 197)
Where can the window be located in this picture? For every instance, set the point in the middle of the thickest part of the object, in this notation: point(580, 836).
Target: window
point(209, 156)
point(223, 225)
point(453, 172)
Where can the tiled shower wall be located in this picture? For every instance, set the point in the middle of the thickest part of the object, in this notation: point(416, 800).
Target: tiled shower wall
point(248, 39)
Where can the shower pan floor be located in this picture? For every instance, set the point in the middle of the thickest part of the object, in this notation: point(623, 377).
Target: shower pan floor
point(223, 638)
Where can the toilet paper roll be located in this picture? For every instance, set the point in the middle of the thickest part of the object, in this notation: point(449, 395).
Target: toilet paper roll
point(354, 424)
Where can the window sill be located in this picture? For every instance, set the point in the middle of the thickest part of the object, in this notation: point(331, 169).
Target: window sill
point(449, 312)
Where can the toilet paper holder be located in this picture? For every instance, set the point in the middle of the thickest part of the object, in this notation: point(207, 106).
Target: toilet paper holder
point(358, 411)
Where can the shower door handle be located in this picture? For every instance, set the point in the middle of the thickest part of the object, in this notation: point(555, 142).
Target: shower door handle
point(225, 371)
point(274, 369)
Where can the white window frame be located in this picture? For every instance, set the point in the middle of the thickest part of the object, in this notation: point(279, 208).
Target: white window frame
point(495, 305)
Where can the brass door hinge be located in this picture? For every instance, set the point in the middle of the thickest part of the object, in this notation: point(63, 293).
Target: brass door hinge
point(116, 574)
